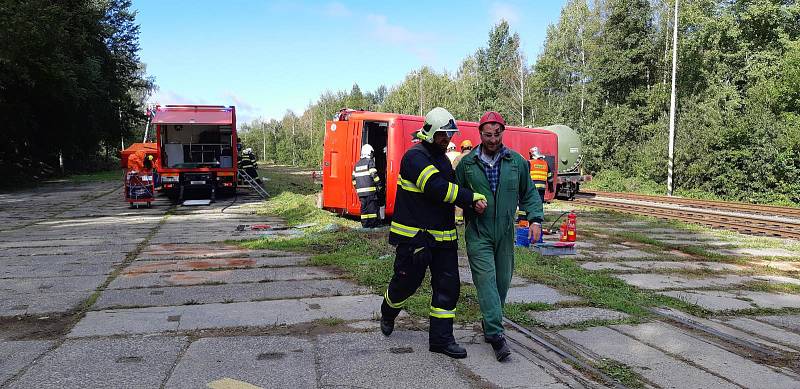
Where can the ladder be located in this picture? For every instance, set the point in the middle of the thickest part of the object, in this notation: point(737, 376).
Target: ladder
point(253, 184)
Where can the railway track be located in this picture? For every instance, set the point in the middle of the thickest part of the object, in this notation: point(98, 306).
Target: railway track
point(781, 222)
point(709, 204)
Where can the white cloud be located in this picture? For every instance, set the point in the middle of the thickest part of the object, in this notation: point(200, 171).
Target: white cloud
point(417, 43)
point(504, 11)
point(337, 9)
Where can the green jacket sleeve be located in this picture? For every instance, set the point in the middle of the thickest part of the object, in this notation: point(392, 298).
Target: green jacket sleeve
point(529, 200)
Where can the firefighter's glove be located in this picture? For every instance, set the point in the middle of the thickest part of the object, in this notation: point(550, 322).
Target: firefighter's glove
point(477, 197)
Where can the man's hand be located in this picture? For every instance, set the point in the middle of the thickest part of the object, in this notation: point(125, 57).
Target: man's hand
point(479, 206)
point(534, 232)
point(478, 203)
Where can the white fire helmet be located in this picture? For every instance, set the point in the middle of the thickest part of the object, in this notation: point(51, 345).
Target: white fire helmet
point(366, 151)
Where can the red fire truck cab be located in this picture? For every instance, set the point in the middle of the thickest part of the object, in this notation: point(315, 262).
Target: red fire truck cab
point(390, 135)
point(197, 145)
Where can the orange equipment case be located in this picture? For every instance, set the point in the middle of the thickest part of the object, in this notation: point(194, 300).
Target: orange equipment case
point(350, 129)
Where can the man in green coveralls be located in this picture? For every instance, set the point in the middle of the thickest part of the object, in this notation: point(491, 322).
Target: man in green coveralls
point(503, 176)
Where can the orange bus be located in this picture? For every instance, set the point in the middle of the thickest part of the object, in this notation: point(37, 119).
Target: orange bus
point(390, 135)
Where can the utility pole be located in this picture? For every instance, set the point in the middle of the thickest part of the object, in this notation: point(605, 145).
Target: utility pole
point(419, 89)
point(294, 140)
point(672, 102)
point(264, 140)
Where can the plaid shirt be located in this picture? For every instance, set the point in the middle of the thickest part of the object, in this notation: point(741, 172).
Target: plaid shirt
point(492, 166)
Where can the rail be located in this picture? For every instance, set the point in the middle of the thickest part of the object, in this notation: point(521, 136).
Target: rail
point(761, 220)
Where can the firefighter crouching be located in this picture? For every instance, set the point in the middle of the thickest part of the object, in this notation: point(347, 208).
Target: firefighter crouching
point(424, 233)
point(540, 171)
point(367, 184)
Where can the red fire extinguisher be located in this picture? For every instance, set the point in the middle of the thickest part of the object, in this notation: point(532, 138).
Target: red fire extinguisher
point(572, 220)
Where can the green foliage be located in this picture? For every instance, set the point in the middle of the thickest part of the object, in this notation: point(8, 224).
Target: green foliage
point(71, 83)
point(605, 70)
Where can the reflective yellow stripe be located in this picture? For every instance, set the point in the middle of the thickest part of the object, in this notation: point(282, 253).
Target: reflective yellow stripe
point(404, 230)
point(442, 313)
point(373, 170)
point(361, 168)
point(376, 179)
point(452, 193)
point(400, 229)
point(538, 185)
point(521, 212)
point(391, 304)
point(360, 174)
point(368, 189)
point(424, 175)
point(369, 216)
point(407, 185)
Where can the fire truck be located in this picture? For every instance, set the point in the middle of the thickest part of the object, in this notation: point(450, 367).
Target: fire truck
point(390, 135)
point(197, 147)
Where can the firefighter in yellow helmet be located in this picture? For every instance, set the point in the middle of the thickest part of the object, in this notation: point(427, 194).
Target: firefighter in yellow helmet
point(424, 232)
point(368, 185)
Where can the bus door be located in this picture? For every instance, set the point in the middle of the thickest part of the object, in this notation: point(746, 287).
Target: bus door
point(338, 159)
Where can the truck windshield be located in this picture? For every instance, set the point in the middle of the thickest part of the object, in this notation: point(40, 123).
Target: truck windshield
point(196, 146)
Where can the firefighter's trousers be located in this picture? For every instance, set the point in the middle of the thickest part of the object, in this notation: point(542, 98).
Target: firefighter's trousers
point(369, 211)
point(444, 282)
point(491, 260)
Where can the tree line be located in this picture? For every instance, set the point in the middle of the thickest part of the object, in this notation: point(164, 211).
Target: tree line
point(605, 70)
point(72, 87)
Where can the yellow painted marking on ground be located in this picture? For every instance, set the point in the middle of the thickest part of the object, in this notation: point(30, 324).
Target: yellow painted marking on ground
point(230, 383)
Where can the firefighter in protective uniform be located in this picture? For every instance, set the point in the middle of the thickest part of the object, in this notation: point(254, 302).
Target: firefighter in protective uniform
point(368, 185)
point(502, 176)
point(247, 162)
point(424, 232)
point(541, 174)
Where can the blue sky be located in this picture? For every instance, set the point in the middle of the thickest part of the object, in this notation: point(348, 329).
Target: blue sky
point(269, 56)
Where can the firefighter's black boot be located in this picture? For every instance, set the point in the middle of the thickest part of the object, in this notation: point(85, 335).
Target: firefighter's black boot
point(500, 347)
point(387, 326)
point(452, 350)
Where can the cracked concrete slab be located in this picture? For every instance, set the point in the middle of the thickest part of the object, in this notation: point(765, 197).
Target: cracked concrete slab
point(147, 280)
point(371, 360)
point(625, 254)
point(207, 316)
point(659, 265)
point(666, 281)
point(40, 303)
point(104, 363)
point(265, 361)
point(537, 293)
point(736, 300)
point(791, 322)
point(52, 284)
point(139, 267)
point(766, 331)
point(15, 355)
point(737, 369)
point(574, 315)
point(206, 294)
point(649, 362)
